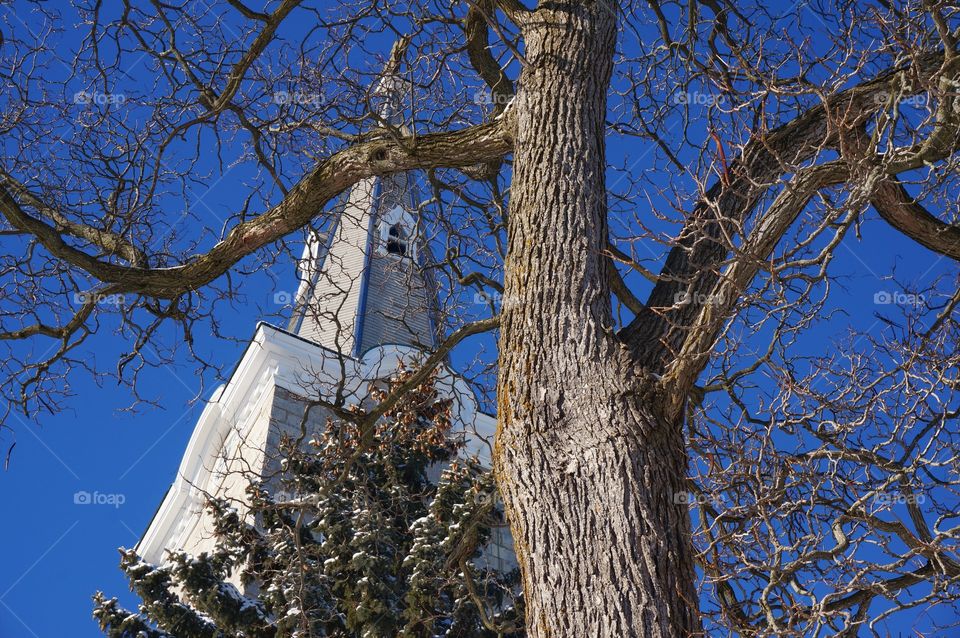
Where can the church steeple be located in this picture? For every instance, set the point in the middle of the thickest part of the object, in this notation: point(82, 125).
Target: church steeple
point(364, 283)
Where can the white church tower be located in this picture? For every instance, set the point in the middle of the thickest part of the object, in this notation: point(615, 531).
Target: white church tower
point(365, 305)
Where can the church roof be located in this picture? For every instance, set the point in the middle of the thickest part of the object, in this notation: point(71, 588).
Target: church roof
point(277, 358)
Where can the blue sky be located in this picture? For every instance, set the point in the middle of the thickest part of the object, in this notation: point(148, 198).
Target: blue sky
point(58, 552)
point(65, 551)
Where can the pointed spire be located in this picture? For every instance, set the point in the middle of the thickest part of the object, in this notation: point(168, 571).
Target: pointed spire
point(362, 281)
point(388, 92)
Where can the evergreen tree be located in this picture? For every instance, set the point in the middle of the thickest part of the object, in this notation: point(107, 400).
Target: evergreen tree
point(354, 538)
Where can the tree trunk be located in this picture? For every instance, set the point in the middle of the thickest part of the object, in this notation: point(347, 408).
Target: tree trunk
point(588, 469)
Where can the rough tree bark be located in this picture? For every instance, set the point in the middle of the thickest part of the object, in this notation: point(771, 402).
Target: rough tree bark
point(588, 467)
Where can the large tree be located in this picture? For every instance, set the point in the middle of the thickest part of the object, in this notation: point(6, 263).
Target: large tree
point(656, 192)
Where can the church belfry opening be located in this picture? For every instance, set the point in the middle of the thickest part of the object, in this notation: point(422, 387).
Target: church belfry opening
point(397, 240)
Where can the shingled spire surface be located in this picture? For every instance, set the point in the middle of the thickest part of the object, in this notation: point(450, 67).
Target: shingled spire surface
point(364, 282)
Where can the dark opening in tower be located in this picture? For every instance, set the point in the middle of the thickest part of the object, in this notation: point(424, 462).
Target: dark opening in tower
point(397, 240)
